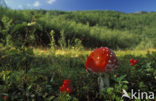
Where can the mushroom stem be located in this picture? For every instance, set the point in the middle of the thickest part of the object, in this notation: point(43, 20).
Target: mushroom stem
point(103, 81)
point(106, 80)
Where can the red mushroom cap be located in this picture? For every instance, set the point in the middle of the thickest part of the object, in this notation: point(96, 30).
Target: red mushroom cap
point(101, 60)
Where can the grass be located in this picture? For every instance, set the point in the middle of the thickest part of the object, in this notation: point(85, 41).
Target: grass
point(75, 53)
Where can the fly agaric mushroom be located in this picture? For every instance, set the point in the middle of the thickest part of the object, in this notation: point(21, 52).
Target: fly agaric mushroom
point(102, 61)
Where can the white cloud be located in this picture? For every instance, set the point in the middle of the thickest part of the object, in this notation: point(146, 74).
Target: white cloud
point(6, 1)
point(36, 4)
point(20, 6)
point(51, 1)
point(28, 5)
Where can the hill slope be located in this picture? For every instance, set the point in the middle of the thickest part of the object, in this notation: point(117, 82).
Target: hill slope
point(93, 28)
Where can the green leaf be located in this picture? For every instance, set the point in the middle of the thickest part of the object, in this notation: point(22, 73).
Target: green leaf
point(121, 77)
point(51, 98)
point(125, 82)
point(110, 90)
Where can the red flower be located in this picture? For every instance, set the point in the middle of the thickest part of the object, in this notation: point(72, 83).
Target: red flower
point(62, 89)
point(133, 62)
point(68, 90)
point(66, 87)
point(67, 82)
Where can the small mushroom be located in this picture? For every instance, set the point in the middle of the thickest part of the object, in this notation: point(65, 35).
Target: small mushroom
point(102, 61)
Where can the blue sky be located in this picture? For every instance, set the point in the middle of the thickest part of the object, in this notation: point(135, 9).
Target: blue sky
point(70, 5)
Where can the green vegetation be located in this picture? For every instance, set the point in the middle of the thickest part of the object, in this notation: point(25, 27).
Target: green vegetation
point(116, 30)
point(39, 49)
point(38, 76)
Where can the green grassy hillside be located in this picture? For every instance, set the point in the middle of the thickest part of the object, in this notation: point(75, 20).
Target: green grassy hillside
point(93, 28)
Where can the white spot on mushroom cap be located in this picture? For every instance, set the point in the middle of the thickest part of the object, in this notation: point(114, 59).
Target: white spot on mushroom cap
point(109, 61)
